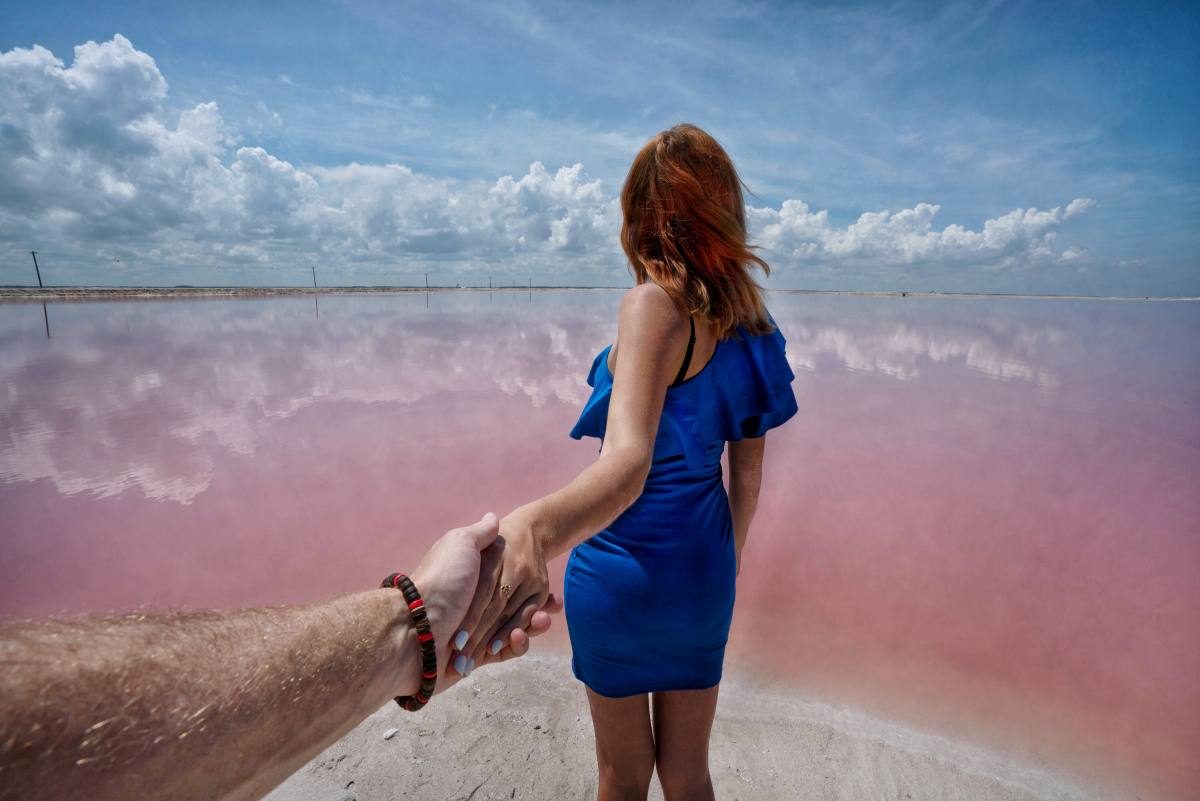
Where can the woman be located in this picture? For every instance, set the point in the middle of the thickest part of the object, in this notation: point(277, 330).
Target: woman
point(697, 363)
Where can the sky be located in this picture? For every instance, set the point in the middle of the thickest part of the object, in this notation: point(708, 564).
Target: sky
point(1004, 147)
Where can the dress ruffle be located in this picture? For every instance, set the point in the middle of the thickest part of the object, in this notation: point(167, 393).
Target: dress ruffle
point(744, 391)
point(593, 420)
point(757, 384)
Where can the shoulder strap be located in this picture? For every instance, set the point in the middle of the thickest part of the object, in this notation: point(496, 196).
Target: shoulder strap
point(687, 356)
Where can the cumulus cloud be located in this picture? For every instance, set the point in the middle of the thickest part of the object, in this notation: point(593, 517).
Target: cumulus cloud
point(908, 236)
point(94, 155)
point(96, 160)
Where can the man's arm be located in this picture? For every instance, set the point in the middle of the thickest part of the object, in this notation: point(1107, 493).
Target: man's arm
point(197, 705)
point(208, 705)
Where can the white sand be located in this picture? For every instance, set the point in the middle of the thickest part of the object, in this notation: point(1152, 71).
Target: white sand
point(521, 731)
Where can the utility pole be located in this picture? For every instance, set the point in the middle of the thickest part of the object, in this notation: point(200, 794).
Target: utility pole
point(36, 268)
point(427, 280)
point(314, 269)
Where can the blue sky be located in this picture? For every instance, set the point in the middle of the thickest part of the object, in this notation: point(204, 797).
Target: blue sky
point(1003, 147)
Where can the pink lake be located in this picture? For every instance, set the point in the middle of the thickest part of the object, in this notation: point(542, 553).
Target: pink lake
point(985, 520)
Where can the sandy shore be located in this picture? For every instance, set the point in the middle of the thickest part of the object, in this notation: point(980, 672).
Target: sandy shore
point(521, 731)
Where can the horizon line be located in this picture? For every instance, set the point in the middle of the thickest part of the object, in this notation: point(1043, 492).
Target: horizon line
point(18, 292)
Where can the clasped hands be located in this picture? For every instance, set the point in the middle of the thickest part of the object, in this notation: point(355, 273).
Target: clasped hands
point(486, 594)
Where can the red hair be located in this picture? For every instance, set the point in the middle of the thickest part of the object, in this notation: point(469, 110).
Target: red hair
point(684, 228)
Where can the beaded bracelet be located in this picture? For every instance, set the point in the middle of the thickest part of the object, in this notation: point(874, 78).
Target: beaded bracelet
point(420, 620)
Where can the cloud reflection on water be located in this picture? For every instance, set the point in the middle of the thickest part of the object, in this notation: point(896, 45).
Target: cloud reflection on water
point(147, 397)
point(103, 410)
point(995, 349)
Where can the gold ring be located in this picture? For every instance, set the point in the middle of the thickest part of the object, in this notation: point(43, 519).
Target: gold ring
point(505, 590)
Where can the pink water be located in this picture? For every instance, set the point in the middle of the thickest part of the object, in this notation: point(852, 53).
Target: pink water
point(984, 520)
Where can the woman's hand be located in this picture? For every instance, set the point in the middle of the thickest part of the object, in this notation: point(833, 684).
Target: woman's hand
point(520, 587)
point(457, 576)
point(518, 646)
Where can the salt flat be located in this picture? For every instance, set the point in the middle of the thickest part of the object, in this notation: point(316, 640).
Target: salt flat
point(521, 730)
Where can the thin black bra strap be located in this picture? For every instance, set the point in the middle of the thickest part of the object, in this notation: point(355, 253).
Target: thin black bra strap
point(687, 357)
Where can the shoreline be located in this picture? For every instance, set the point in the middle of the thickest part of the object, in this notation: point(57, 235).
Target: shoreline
point(521, 730)
point(18, 294)
point(12, 294)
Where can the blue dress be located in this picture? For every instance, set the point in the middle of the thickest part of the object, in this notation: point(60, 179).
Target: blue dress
point(649, 599)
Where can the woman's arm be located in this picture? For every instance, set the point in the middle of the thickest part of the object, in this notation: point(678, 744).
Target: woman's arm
point(745, 478)
point(652, 336)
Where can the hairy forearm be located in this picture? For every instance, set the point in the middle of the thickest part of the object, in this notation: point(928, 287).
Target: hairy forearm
point(595, 498)
point(196, 705)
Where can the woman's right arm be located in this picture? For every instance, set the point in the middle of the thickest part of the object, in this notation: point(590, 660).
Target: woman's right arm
point(649, 328)
point(745, 478)
point(652, 337)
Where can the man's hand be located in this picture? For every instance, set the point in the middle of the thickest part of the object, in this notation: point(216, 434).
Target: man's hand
point(223, 705)
point(448, 577)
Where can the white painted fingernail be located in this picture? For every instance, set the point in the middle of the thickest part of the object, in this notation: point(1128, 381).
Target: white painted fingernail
point(497, 644)
point(470, 667)
point(460, 664)
point(461, 638)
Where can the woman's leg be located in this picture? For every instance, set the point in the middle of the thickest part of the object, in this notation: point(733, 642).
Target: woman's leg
point(624, 746)
point(682, 723)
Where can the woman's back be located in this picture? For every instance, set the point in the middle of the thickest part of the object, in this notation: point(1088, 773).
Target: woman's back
point(670, 555)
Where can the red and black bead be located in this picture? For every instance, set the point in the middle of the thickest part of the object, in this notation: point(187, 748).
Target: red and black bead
point(420, 620)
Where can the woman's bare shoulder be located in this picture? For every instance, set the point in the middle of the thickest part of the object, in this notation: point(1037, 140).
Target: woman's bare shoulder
point(649, 309)
point(648, 320)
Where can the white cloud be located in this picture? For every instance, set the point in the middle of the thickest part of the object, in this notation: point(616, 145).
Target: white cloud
point(908, 236)
point(1078, 206)
point(94, 157)
point(1074, 255)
